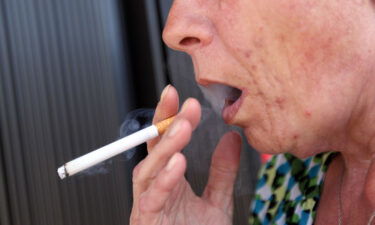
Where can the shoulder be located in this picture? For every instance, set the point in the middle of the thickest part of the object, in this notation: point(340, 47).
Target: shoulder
point(288, 188)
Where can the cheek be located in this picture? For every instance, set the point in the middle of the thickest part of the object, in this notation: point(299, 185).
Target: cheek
point(288, 53)
point(316, 55)
point(309, 33)
point(317, 38)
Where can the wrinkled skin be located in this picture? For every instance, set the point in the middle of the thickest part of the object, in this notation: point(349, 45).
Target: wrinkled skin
point(306, 70)
point(297, 62)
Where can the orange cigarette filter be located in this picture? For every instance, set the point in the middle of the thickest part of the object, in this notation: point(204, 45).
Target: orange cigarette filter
point(163, 125)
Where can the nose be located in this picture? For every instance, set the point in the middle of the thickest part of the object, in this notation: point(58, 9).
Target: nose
point(187, 28)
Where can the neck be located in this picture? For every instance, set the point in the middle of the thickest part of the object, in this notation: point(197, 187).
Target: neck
point(357, 144)
point(357, 148)
point(356, 181)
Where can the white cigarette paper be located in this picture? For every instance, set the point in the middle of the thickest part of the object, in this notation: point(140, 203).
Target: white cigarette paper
point(97, 156)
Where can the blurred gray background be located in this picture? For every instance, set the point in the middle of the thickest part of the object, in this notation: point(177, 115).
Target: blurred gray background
point(70, 71)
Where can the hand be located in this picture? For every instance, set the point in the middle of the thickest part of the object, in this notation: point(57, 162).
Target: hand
point(161, 193)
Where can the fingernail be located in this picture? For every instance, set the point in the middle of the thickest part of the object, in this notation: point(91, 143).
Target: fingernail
point(184, 106)
point(172, 162)
point(164, 92)
point(174, 129)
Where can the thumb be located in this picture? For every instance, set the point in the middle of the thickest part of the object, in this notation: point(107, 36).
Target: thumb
point(223, 172)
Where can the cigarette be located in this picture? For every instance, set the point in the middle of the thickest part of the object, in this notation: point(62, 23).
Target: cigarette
point(92, 158)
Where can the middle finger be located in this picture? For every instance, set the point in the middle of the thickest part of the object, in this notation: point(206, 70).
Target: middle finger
point(173, 141)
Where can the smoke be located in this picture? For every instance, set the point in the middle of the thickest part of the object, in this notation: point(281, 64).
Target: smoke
point(216, 94)
point(101, 168)
point(141, 118)
point(135, 121)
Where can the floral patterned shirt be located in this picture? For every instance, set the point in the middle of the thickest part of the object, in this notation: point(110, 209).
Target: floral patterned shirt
point(289, 189)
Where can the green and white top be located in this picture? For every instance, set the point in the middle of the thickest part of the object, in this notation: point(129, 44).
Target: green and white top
point(289, 189)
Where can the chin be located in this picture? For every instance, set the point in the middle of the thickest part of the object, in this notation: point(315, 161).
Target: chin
point(300, 147)
point(263, 142)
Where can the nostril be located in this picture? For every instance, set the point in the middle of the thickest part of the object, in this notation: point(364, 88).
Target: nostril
point(188, 41)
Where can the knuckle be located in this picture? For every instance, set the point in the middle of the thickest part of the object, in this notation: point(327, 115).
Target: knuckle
point(222, 170)
point(135, 172)
point(143, 180)
point(143, 203)
point(136, 179)
point(161, 187)
point(137, 169)
point(134, 220)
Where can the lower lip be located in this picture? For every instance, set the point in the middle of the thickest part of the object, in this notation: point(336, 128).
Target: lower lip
point(230, 111)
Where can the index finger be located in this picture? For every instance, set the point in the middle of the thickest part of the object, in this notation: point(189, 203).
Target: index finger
point(167, 107)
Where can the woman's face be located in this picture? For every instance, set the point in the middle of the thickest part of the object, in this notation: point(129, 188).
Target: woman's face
point(296, 63)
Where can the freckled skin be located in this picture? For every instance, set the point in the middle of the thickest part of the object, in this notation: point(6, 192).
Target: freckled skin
point(247, 54)
point(308, 114)
point(280, 102)
point(286, 51)
point(307, 72)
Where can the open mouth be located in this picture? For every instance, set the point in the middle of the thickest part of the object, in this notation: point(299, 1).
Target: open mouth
point(232, 97)
point(225, 100)
point(232, 104)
